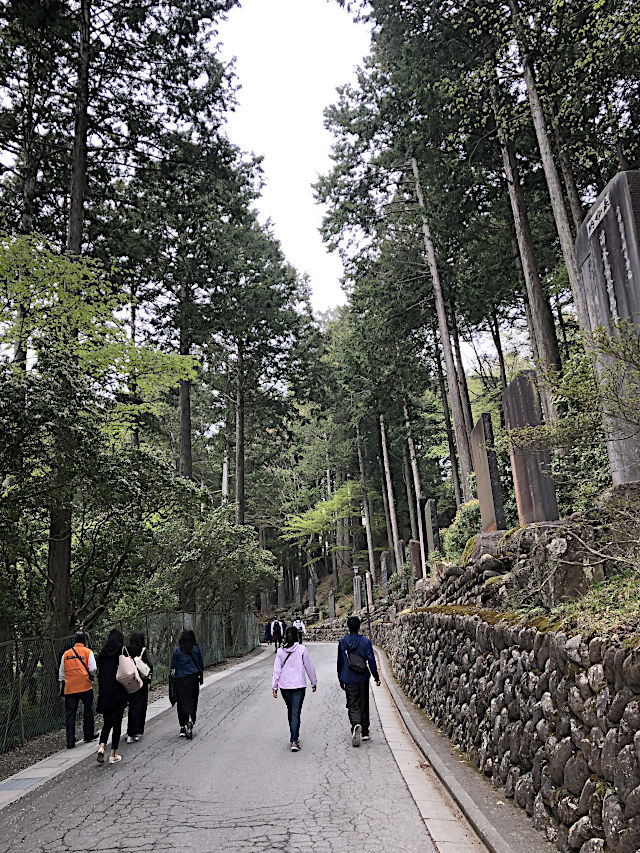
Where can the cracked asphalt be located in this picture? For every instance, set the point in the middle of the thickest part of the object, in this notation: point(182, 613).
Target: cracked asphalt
point(235, 786)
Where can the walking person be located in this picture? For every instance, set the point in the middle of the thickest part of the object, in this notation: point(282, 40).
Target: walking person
point(139, 700)
point(356, 664)
point(112, 697)
point(299, 625)
point(276, 633)
point(290, 670)
point(187, 669)
point(76, 674)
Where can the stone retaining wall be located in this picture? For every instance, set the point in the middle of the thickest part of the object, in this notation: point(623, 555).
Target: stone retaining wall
point(551, 720)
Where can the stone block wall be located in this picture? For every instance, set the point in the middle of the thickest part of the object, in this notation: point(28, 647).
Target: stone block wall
point(553, 721)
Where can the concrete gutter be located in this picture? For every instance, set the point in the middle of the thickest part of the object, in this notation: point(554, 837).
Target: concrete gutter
point(502, 826)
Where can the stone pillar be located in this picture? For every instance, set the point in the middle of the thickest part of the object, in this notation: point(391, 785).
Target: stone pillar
point(384, 573)
point(357, 593)
point(485, 464)
point(297, 594)
point(608, 252)
point(312, 593)
point(369, 587)
point(431, 521)
point(403, 550)
point(332, 604)
point(282, 597)
point(415, 558)
point(534, 488)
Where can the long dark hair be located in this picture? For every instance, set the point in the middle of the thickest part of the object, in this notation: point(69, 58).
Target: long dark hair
point(290, 636)
point(136, 643)
point(115, 641)
point(187, 641)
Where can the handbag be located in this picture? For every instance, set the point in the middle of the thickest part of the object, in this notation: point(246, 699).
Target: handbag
point(355, 662)
point(127, 673)
point(173, 697)
point(143, 668)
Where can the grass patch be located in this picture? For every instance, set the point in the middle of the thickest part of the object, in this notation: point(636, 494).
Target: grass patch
point(611, 606)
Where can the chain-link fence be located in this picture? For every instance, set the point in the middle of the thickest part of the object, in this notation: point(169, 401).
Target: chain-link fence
point(29, 701)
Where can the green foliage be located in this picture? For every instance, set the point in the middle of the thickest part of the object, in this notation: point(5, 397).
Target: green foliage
point(465, 525)
point(321, 518)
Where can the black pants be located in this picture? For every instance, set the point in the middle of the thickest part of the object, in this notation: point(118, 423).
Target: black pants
point(358, 704)
point(71, 702)
point(112, 720)
point(138, 702)
point(187, 691)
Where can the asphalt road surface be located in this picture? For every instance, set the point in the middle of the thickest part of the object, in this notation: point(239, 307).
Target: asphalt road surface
point(235, 786)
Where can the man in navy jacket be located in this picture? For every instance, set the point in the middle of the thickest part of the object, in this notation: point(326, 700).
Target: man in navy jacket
point(356, 648)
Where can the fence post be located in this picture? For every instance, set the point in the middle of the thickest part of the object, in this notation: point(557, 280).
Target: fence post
point(19, 687)
point(169, 649)
point(182, 620)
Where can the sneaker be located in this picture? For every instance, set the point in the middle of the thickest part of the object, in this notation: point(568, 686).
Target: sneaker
point(183, 732)
point(366, 737)
point(294, 746)
point(189, 731)
point(132, 738)
point(355, 735)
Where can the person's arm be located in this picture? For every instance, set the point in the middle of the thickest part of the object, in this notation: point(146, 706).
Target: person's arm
point(340, 664)
point(174, 660)
point(310, 669)
point(304, 630)
point(61, 669)
point(372, 662)
point(93, 666)
point(200, 659)
point(277, 669)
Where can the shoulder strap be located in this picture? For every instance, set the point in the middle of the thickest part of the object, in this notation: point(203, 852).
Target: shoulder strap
point(194, 662)
point(73, 649)
point(284, 662)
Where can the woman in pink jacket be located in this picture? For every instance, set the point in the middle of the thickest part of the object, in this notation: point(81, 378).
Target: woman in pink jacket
point(290, 671)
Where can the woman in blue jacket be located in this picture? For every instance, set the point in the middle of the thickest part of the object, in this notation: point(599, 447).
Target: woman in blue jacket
point(187, 668)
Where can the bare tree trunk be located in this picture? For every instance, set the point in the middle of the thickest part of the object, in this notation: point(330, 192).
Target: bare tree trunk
point(462, 376)
point(365, 507)
point(385, 503)
point(417, 487)
point(462, 440)
point(58, 594)
point(449, 430)
point(550, 170)
point(390, 496)
point(240, 435)
point(568, 175)
point(407, 484)
point(133, 383)
point(494, 325)
point(225, 468)
point(186, 451)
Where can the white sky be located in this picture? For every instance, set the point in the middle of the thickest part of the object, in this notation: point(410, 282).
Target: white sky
point(291, 55)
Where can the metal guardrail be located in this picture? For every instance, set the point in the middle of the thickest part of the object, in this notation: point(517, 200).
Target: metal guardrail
point(29, 700)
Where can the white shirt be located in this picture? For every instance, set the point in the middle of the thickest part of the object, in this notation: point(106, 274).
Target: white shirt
point(274, 623)
point(299, 624)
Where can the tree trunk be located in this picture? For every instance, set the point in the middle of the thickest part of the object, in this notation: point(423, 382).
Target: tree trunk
point(225, 468)
point(240, 436)
point(462, 376)
point(133, 383)
point(462, 440)
point(494, 325)
point(447, 424)
point(385, 503)
point(568, 175)
point(365, 507)
point(58, 594)
point(406, 472)
point(390, 497)
point(186, 450)
point(417, 487)
point(550, 170)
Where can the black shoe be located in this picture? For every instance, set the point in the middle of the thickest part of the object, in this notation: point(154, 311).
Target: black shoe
point(92, 738)
point(189, 730)
point(355, 735)
point(71, 745)
point(183, 732)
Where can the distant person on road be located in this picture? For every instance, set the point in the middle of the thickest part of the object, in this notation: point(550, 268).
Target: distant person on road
point(356, 664)
point(290, 670)
point(139, 700)
point(112, 697)
point(276, 633)
point(299, 625)
point(76, 674)
point(267, 633)
point(187, 668)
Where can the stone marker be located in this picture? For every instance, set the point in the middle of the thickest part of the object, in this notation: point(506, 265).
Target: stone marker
point(431, 523)
point(297, 594)
point(332, 604)
point(403, 551)
point(608, 251)
point(312, 593)
point(357, 593)
point(415, 558)
point(534, 488)
point(369, 588)
point(282, 594)
point(384, 573)
point(485, 464)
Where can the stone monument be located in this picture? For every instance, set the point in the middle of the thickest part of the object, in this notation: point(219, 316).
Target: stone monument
point(384, 573)
point(369, 588)
point(357, 593)
point(297, 593)
point(403, 551)
point(332, 604)
point(534, 488)
point(485, 464)
point(415, 558)
point(608, 252)
point(312, 593)
point(282, 594)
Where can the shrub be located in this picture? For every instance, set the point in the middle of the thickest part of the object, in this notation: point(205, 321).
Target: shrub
point(465, 525)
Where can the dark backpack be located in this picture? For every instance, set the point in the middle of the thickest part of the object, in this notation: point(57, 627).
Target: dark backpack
point(355, 662)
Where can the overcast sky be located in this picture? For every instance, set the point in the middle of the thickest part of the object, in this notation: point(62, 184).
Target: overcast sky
point(291, 55)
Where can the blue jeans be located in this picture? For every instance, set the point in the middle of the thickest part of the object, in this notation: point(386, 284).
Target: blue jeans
point(294, 699)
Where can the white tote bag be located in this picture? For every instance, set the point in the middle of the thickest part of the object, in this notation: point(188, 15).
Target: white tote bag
point(127, 673)
point(143, 668)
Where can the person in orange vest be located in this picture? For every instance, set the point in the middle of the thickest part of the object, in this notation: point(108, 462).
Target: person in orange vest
point(77, 670)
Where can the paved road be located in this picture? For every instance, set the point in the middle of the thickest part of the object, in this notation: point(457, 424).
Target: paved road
point(235, 786)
